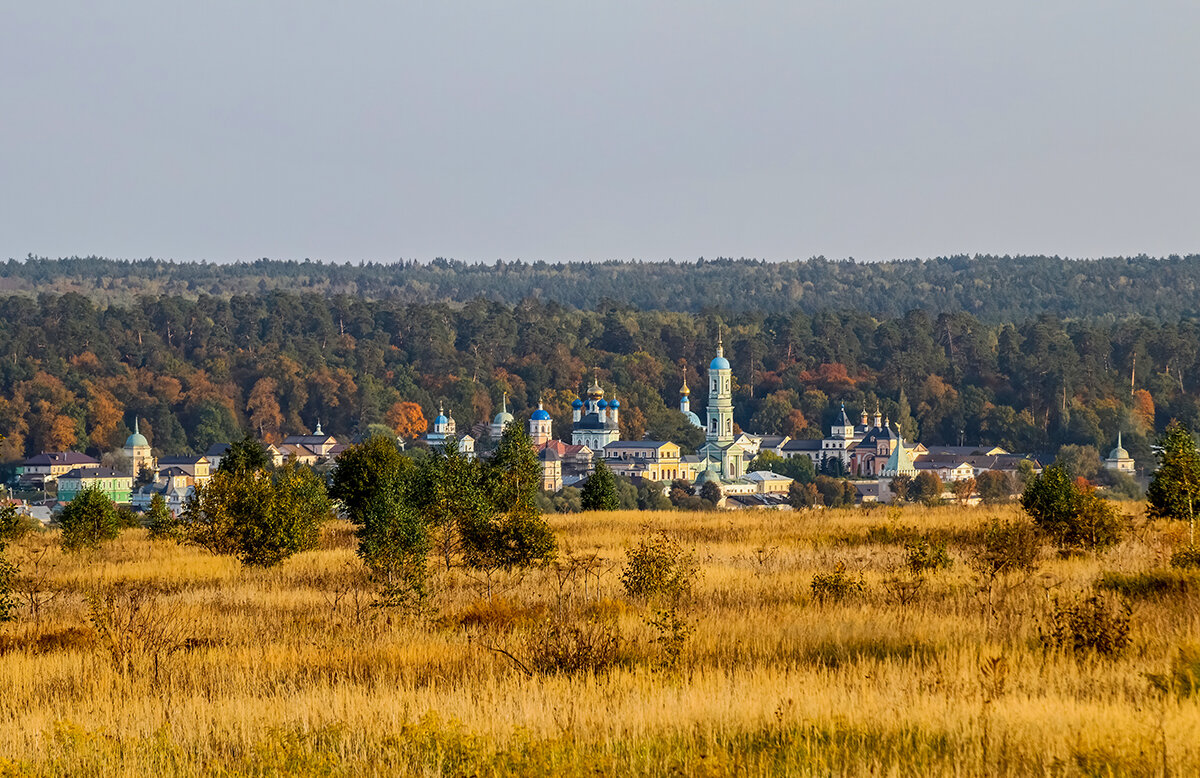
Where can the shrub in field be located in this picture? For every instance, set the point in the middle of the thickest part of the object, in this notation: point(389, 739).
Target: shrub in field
point(1071, 512)
point(1005, 547)
point(835, 585)
point(8, 572)
point(569, 647)
point(161, 524)
point(1183, 678)
point(1090, 625)
point(994, 486)
point(1150, 584)
point(261, 518)
point(13, 524)
point(1187, 558)
point(922, 555)
point(88, 520)
point(131, 624)
point(926, 488)
point(659, 567)
point(1174, 491)
point(600, 491)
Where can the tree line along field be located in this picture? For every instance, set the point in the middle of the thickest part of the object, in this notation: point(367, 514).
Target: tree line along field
point(993, 288)
point(75, 375)
point(806, 644)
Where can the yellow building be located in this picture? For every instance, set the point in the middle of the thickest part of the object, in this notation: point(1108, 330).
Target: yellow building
point(656, 460)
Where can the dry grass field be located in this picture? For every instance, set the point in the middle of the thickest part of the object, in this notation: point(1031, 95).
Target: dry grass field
point(155, 659)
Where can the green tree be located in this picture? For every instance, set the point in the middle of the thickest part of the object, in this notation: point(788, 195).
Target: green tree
point(160, 522)
point(994, 486)
point(1050, 500)
point(901, 485)
point(509, 531)
point(260, 518)
point(88, 520)
point(1071, 512)
point(926, 488)
point(245, 456)
point(1080, 461)
point(1175, 487)
point(13, 524)
point(710, 492)
point(451, 494)
point(600, 491)
point(374, 483)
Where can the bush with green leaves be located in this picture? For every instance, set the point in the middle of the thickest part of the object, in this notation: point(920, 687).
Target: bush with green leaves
point(1071, 513)
point(88, 520)
point(835, 585)
point(926, 488)
point(923, 555)
point(600, 491)
point(507, 530)
point(484, 516)
point(1174, 491)
point(658, 568)
point(8, 574)
point(161, 524)
point(1186, 558)
point(1092, 625)
point(1005, 548)
point(994, 486)
point(14, 525)
point(261, 518)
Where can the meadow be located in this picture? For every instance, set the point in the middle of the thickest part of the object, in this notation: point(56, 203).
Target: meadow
point(146, 657)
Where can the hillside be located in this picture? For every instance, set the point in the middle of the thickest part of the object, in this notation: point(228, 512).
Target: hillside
point(994, 289)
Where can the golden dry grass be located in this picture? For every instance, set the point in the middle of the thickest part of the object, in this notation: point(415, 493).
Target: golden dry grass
point(290, 671)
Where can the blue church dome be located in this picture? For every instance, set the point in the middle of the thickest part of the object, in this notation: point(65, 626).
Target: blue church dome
point(615, 403)
point(602, 404)
point(719, 363)
point(441, 419)
point(577, 404)
point(540, 415)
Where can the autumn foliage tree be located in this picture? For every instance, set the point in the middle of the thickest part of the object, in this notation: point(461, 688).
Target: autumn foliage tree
point(407, 419)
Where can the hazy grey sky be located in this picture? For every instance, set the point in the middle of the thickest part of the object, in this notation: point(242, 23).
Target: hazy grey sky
point(565, 130)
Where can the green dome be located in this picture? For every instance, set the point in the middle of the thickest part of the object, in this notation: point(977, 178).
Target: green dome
point(137, 439)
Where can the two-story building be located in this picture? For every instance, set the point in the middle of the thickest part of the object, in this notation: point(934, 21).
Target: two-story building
point(198, 468)
point(656, 460)
point(45, 468)
point(116, 486)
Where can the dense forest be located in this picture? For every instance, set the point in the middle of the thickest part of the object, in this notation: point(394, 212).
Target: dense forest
point(992, 288)
point(74, 374)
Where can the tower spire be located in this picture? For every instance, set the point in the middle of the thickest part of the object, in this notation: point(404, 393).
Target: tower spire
point(720, 344)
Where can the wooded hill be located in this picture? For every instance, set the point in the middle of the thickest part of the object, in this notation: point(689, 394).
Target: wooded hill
point(197, 371)
point(995, 289)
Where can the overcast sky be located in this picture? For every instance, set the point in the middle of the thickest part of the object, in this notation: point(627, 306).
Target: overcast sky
point(561, 130)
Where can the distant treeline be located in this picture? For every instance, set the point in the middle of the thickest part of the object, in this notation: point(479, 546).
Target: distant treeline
point(992, 288)
point(74, 374)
